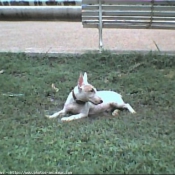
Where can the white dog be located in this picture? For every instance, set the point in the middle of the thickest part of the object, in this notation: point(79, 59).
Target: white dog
point(85, 100)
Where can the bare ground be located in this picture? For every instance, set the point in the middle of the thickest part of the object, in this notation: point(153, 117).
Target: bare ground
point(63, 37)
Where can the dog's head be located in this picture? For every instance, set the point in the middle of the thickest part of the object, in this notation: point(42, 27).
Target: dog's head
point(87, 92)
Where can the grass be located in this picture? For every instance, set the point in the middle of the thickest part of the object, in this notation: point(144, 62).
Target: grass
point(130, 144)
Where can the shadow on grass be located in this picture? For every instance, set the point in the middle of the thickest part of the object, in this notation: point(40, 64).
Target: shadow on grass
point(141, 143)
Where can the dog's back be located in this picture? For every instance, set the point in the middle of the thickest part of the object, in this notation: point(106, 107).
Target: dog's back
point(110, 96)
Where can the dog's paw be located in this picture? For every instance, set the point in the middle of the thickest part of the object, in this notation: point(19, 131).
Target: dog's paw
point(47, 116)
point(115, 112)
point(65, 119)
point(134, 112)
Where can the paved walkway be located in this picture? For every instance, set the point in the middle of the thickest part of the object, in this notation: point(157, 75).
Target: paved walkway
point(71, 37)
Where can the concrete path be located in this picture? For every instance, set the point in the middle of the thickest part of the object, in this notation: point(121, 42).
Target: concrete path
point(71, 37)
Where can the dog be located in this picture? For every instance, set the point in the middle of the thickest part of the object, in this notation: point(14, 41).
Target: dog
point(85, 100)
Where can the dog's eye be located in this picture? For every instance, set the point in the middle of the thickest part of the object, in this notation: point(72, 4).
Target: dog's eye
point(92, 90)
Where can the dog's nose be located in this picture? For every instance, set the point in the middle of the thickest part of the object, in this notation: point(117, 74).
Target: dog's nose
point(101, 101)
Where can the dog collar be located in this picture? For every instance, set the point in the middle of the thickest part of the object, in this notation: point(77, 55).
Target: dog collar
point(77, 101)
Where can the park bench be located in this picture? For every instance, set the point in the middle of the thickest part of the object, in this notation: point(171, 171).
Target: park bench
point(128, 14)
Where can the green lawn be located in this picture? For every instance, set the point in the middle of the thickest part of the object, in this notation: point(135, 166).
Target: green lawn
point(140, 143)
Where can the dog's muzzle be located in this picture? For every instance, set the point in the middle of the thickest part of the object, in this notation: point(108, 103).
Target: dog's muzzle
point(101, 101)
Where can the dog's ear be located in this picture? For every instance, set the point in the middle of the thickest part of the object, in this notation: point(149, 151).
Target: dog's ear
point(80, 80)
point(85, 79)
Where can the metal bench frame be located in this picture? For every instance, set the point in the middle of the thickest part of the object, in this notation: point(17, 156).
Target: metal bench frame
point(132, 14)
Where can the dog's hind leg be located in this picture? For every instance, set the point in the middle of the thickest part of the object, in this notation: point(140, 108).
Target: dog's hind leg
point(62, 112)
point(125, 105)
point(128, 106)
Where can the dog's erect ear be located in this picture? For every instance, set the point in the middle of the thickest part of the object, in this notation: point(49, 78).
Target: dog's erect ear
point(85, 79)
point(80, 80)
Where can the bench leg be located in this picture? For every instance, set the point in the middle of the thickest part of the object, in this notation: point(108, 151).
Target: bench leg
point(100, 39)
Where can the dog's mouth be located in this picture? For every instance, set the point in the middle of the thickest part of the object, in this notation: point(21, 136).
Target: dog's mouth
point(96, 103)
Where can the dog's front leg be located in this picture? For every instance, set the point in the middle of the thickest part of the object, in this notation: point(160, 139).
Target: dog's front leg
point(83, 112)
point(74, 117)
point(62, 112)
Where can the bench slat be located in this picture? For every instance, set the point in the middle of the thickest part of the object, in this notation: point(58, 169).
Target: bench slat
point(131, 22)
point(84, 18)
point(130, 13)
point(156, 2)
point(128, 7)
point(132, 26)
